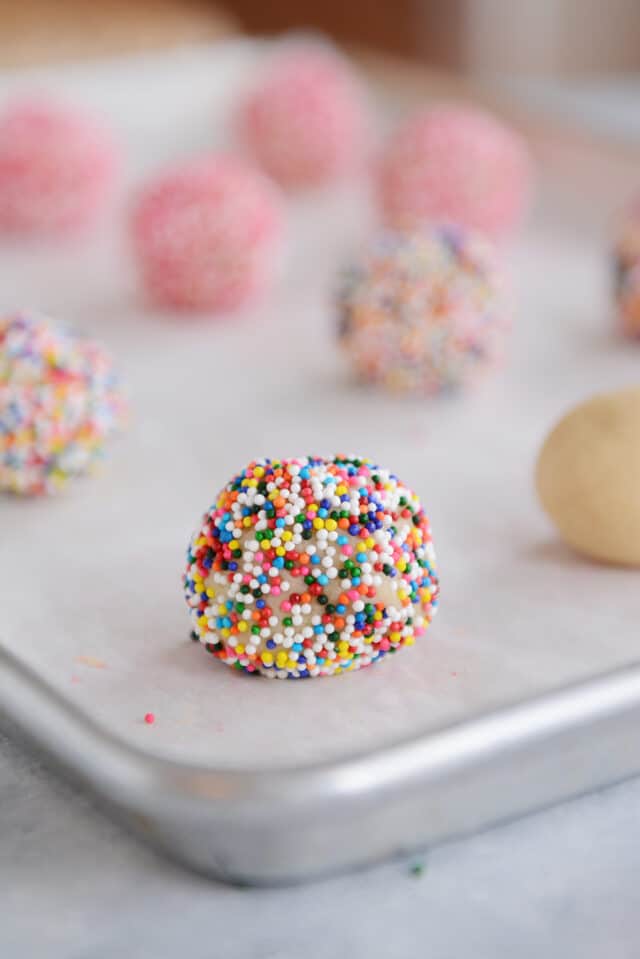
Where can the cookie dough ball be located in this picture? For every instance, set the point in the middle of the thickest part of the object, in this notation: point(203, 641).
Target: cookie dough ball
point(588, 477)
point(311, 567)
point(306, 122)
point(208, 236)
point(59, 403)
point(58, 167)
point(455, 164)
point(423, 312)
point(627, 272)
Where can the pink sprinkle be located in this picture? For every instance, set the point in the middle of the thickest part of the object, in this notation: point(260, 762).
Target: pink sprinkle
point(285, 605)
point(149, 719)
point(347, 550)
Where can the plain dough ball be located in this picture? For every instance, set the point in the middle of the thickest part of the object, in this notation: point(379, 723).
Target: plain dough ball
point(588, 477)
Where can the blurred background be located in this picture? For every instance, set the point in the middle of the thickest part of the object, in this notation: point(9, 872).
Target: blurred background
point(546, 37)
point(579, 59)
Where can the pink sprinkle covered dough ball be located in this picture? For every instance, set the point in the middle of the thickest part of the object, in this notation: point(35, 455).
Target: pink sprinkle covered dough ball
point(208, 236)
point(58, 167)
point(306, 123)
point(455, 164)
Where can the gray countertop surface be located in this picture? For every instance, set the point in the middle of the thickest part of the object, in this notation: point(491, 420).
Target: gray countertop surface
point(563, 883)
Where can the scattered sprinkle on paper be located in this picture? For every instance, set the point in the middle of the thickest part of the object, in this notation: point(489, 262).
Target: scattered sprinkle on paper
point(92, 661)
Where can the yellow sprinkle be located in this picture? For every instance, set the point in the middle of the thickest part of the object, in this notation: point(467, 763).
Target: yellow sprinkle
point(409, 640)
point(318, 523)
point(234, 544)
point(211, 593)
point(281, 659)
point(286, 536)
point(239, 649)
point(226, 632)
point(280, 550)
point(267, 658)
point(243, 626)
point(331, 525)
point(258, 471)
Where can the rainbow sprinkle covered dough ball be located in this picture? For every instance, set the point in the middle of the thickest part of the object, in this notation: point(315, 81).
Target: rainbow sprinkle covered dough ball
point(306, 122)
point(311, 567)
point(457, 164)
point(58, 168)
point(59, 403)
point(423, 312)
point(627, 272)
point(208, 235)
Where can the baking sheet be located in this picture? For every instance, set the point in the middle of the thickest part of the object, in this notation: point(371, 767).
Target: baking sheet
point(90, 590)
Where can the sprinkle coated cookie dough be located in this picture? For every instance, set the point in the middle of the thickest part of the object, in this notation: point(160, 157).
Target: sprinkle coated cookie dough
point(627, 272)
point(208, 235)
point(58, 168)
point(455, 163)
point(59, 403)
point(311, 567)
point(423, 313)
point(306, 122)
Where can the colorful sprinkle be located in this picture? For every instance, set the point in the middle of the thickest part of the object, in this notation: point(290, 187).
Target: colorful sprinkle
point(423, 312)
point(149, 719)
point(59, 403)
point(273, 592)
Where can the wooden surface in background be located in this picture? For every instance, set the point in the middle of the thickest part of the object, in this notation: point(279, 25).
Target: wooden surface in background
point(388, 25)
point(49, 31)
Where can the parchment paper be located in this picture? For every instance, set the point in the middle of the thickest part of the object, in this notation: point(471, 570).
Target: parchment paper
point(90, 583)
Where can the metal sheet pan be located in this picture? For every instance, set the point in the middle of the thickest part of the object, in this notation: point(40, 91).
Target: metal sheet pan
point(242, 778)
